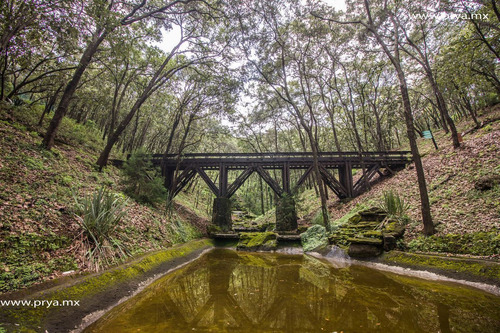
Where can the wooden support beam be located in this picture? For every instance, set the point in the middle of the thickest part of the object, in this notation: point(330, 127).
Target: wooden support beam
point(345, 178)
point(302, 178)
point(286, 177)
point(182, 181)
point(239, 181)
point(269, 180)
point(222, 179)
point(333, 183)
point(168, 173)
point(215, 190)
point(360, 185)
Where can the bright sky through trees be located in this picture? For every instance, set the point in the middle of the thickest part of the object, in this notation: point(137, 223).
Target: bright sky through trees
point(172, 37)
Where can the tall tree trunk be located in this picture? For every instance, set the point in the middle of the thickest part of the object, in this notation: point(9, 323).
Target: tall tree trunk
point(69, 91)
point(395, 60)
point(49, 105)
point(443, 108)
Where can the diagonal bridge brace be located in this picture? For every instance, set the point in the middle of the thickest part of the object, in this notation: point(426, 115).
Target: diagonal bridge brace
point(333, 183)
point(239, 181)
point(215, 190)
point(365, 179)
point(275, 186)
point(182, 180)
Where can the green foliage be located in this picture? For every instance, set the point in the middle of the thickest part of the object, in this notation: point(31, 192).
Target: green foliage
point(181, 232)
point(477, 243)
point(314, 238)
point(24, 259)
point(394, 205)
point(139, 183)
point(318, 218)
point(99, 214)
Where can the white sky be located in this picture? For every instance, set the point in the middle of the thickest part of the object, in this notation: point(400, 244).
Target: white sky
point(172, 37)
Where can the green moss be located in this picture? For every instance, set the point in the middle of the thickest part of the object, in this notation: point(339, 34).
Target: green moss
point(478, 243)
point(315, 237)
point(364, 240)
point(372, 234)
point(484, 269)
point(257, 241)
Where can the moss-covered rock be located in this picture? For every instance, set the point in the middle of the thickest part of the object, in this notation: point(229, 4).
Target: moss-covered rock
point(360, 250)
point(314, 238)
point(365, 240)
point(368, 232)
point(257, 241)
point(372, 214)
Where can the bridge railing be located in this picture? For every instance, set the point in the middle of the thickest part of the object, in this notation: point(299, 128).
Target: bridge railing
point(372, 154)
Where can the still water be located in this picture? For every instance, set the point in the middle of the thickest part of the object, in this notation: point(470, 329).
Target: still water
point(229, 291)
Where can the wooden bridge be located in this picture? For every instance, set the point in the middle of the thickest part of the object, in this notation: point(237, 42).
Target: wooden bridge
point(179, 170)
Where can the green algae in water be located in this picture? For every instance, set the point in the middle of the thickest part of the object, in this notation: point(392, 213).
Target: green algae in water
point(229, 291)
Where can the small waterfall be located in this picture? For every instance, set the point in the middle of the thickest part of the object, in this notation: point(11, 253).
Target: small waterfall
point(290, 250)
point(335, 255)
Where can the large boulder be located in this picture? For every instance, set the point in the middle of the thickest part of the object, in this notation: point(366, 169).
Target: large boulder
point(314, 238)
point(365, 247)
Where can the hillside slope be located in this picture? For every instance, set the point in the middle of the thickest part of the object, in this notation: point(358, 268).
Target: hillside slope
point(463, 215)
point(39, 234)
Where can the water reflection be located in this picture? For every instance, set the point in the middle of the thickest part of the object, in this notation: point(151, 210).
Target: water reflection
point(228, 291)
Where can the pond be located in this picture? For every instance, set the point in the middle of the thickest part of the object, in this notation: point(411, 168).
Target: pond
point(225, 290)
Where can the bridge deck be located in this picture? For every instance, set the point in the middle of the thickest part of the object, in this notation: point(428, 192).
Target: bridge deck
point(297, 160)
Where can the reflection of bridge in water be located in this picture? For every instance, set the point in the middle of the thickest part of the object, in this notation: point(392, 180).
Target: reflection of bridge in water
point(243, 292)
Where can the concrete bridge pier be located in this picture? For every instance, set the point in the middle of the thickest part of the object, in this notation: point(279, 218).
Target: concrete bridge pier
point(221, 215)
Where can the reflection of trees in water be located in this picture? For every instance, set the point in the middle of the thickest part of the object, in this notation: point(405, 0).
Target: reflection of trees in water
point(296, 294)
point(225, 290)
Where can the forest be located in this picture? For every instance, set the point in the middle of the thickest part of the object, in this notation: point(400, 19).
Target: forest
point(91, 89)
point(253, 76)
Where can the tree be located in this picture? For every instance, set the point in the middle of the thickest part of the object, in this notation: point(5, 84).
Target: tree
point(393, 38)
point(107, 18)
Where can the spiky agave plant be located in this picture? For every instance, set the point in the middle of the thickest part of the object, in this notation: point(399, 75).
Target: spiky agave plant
point(395, 206)
point(99, 214)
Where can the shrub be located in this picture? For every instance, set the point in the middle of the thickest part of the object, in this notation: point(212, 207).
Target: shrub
point(394, 205)
point(99, 214)
point(141, 180)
